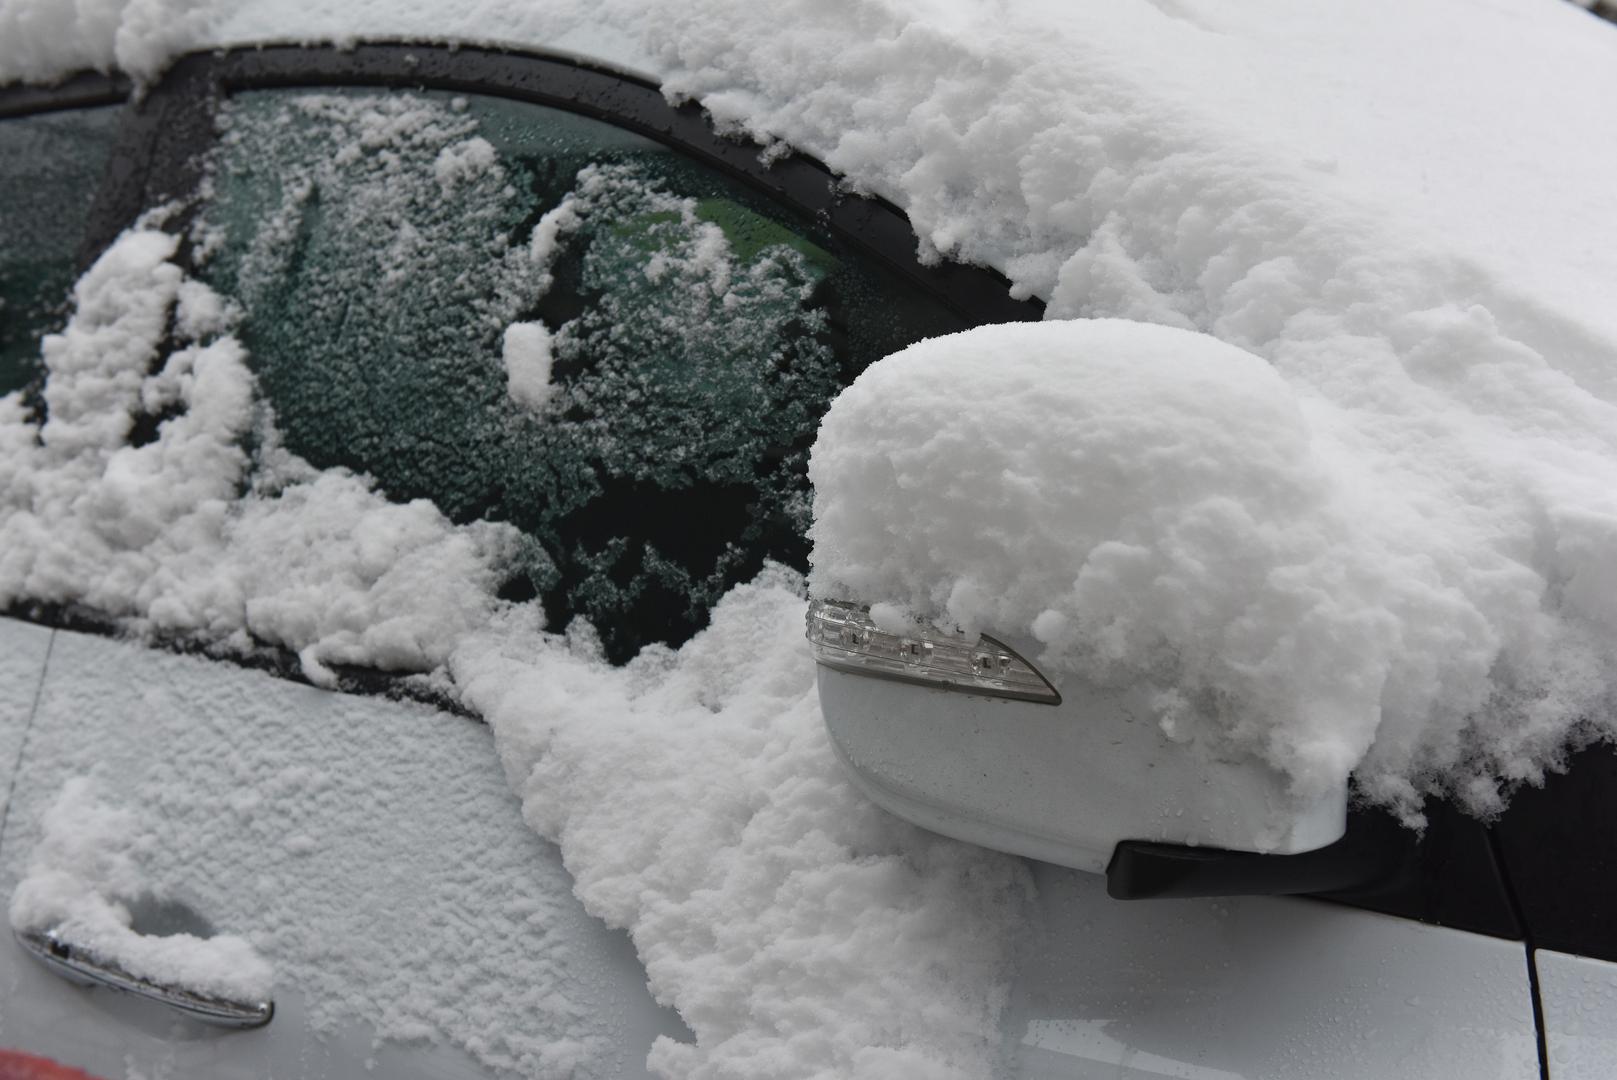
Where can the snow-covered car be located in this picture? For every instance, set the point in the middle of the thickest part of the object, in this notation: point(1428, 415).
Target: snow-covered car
point(416, 459)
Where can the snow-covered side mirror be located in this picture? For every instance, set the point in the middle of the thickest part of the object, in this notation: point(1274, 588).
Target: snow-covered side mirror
point(1066, 596)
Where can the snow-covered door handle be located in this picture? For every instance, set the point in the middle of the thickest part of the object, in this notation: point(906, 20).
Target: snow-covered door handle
point(76, 966)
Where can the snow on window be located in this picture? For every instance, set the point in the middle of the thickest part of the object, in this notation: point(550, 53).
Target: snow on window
point(702, 350)
point(527, 316)
point(129, 499)
point(85, 876)
point(526, 351)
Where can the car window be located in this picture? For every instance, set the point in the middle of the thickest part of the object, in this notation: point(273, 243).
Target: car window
point(529, 316)
point(50, 166)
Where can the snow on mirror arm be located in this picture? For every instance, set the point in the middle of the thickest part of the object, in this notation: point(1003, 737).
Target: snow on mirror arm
point(845, 638)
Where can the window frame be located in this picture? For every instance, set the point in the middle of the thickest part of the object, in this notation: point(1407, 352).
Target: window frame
point(82, 91)
point(169, 129)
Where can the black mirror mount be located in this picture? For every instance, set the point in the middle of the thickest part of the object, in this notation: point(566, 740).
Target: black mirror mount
point(1370, 854)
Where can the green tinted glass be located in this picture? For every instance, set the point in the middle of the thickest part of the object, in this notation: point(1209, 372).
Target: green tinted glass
point(50, 167)
point(528, 316)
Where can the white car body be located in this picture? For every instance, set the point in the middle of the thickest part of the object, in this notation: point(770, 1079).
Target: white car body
point(1204, 988)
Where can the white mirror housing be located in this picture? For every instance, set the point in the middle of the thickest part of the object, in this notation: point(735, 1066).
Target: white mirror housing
point(1063, 782)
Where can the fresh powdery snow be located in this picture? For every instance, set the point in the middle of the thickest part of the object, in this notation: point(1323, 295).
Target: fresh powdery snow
point(155, 534)
point(1344, 489)
point(81, 876)
point(1155, 505)
point(798, 930)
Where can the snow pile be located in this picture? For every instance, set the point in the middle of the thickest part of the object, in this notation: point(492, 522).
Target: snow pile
point(82, 876)
point(159, 535)
point(43, 41)
point(798, 930)
point(1156, 506)
point(526, 352)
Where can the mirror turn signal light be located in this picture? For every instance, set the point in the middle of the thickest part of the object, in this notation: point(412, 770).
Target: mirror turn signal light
point(845, 638)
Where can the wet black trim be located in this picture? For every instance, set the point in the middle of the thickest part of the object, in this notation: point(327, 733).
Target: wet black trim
point(159, 157)
point(1558, 843)
point(82, 91)
point(1530, 949)
point(1448, 874)
point(1602, 9)
point(1363, 858)
point(275, 660)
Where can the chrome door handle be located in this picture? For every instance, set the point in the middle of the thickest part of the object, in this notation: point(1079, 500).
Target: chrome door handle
point(76, 966)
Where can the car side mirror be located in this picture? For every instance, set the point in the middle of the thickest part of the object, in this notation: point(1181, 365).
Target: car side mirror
point(1129, 526)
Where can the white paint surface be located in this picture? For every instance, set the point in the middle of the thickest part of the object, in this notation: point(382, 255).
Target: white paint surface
point(23, 648)
point(1262, 989)
point(1580, 1015)
point(368, 849)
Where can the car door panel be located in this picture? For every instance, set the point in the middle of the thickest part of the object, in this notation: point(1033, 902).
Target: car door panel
point(1260, 987)
point(23, 648)
point(369, 848)
point(1580, 1015)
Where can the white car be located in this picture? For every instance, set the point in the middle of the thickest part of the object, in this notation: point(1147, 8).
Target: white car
point(429, 423)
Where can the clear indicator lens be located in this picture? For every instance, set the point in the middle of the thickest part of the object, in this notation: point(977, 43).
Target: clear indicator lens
point(845, 638)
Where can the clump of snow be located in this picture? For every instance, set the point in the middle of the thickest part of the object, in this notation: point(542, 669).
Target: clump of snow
point(160, 535)
point(42, 42)
point(798, 930)
point(335, 572)
point(83, 874)
point(527, 355)
point(1157, 507)
point(462, 161)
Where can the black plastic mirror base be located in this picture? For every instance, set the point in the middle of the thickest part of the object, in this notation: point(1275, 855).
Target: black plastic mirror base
point(1362, 859)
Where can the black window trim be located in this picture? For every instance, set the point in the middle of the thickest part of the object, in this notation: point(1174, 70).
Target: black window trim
point(85, 90)
point(171, 126)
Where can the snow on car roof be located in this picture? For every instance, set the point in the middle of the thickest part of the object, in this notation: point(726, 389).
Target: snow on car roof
point(1008, 134)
